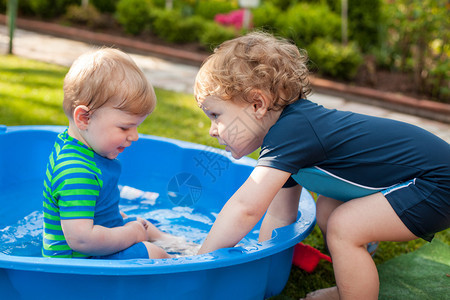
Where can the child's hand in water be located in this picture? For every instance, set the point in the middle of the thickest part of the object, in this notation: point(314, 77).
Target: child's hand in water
point(153, 233)
point(177, 245)
point(140, 230)
point(144, 222)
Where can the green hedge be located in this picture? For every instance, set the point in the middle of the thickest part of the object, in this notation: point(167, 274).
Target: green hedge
point(209, 8)
point(214, 34)
point(266, 16)
point(311, 24)
point(280, 4)
point(105, 6)
point(171, 26)
point(48, 8)
point(134, 15)
point(364, 18)
point(334, 59)
point(89, 16)
point(304, 22)
point(56, 8)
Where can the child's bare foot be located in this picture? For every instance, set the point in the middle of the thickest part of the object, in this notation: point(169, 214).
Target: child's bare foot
point(330, 293)
point(177, 245)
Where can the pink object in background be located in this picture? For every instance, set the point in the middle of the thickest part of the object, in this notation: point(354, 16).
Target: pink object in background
point(234, 18)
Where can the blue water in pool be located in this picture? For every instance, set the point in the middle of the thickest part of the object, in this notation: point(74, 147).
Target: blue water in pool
point(24, 238)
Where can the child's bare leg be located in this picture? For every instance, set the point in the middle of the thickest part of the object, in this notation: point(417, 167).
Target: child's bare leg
point(324, 207)
point(350, 227)
point(155, 252)
point(330, 293)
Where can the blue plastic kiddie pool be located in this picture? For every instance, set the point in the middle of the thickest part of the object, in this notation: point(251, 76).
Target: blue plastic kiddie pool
point(180, 186)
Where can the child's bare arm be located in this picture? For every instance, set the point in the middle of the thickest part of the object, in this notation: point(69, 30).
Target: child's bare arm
point(282, 211)
point(245, 208)
point(85, 237)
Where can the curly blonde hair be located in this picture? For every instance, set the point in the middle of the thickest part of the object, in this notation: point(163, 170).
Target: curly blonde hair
point(107, 76)
point(257, 60)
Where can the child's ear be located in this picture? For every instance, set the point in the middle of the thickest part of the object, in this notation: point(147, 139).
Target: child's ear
point(261, 103)
point(81, 116)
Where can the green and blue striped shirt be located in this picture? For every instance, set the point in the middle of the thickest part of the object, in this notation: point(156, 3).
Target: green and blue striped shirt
point(79, 184)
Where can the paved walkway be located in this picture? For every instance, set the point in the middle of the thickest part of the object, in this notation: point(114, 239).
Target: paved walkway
point(179, 77)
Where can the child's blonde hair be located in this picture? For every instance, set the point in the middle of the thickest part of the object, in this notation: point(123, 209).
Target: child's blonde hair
point(104, 75)
point(255, 61)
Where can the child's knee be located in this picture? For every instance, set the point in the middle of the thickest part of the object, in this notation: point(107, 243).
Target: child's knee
point(155, 252)
point(339, 227)
point(324, 207)
point(345, 228)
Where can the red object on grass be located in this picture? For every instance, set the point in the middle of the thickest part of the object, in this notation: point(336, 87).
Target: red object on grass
point(307, 258)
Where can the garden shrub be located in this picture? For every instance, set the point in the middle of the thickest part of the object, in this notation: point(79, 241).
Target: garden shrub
point(335, 59)
point(280, 4)
point(133, 15)
point(89, 16)
point(191, 28)
point(214, 34)
point(335, 6)
point(159, 3)
point(364, 19)
point(304, 22)
point(47, 9)
point(170, 26)
point(164, 23)
point(176, 4)
point(105, 6)
point(265, 17)
point(209, 8)
point(415, 40)
point(24, 8)
point(438, 82)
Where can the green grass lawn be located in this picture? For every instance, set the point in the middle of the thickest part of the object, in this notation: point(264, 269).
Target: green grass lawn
point(31, 94)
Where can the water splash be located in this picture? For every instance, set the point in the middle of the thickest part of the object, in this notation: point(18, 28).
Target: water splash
point(23, 238)
point(189, 226)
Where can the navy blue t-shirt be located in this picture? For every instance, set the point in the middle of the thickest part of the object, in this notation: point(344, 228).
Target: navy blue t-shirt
point(362, 150)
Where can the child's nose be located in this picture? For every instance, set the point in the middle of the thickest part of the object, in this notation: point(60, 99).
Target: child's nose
point(213, 130)
point(134, 135)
